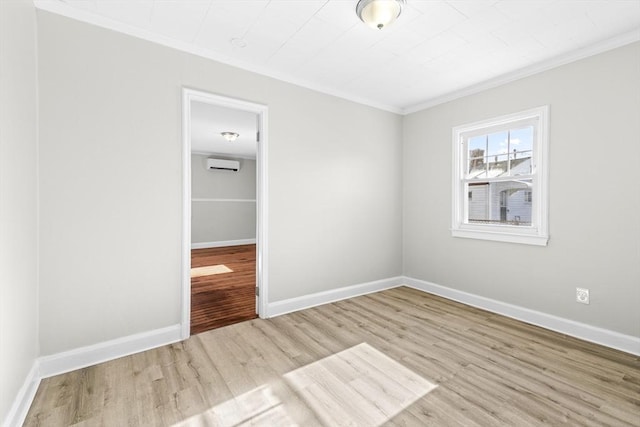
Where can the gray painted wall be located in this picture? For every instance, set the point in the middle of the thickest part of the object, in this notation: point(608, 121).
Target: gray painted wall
point(222, 220)
point(18, 199)
point(594, 200)
point(110, 176)
point(110, 190)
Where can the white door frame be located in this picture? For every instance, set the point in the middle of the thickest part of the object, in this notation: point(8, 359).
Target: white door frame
point(188, 96)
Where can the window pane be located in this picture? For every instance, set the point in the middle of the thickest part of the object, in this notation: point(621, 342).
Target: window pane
point(497, 143)
point(506, 203)
point(497, 155)
point(521, 144)
point(507, 153)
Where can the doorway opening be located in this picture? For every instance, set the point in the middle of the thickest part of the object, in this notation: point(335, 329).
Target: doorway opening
point(224, 232)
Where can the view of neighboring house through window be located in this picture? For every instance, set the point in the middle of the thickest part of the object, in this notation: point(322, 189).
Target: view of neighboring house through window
point(500, 155)
point(500, 164)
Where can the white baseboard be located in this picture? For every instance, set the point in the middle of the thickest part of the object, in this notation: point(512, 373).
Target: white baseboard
point(608, 338)
point(48, 366)
point(223, 243)
point(90, 355)
point(307, 301)
point(616, 340)
point(18, 411)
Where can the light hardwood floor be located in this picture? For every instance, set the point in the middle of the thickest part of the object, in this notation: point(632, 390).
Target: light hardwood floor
point(399, 357)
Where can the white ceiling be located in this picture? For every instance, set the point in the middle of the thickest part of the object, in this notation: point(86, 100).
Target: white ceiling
point(209, 121)
point(436, 51)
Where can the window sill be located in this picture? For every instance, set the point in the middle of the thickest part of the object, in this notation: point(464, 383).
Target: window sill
point(500, 236)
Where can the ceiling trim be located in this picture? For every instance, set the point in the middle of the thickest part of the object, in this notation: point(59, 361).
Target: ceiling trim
point(603, 46)
point(60, 8)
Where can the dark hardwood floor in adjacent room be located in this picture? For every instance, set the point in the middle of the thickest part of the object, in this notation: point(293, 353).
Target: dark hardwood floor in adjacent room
point(226, 298)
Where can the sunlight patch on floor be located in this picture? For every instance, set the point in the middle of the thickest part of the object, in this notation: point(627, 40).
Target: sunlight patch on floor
point(359, 386)
point(210, 270)
point(258, 407)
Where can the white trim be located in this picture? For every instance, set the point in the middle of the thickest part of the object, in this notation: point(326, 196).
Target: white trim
point(223, 200)
point(21, 404)
point(185, 318)
point(594, 334)
point(262, 210)
point(308, 301)
point(501, 237)
point(60, 8)
point(109, 350)
point(583, 331)
point(47, 366)
point(538, 233)
point(188, 96)
point(60, 363)
point(601, 47)
point(223, 243)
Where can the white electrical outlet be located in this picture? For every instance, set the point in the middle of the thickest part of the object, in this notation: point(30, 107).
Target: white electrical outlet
point(582, 295)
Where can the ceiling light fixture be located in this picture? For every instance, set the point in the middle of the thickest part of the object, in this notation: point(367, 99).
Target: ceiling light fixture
point(379, 13)
point(230, 136)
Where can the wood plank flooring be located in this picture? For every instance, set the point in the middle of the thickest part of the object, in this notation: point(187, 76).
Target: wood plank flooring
point(395, 358)
point(223, 299)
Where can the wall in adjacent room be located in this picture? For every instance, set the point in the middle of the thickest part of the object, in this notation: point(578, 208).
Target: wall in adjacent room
point(224, 202)
point(594, 196)
point(110, 176)
point(18, 200)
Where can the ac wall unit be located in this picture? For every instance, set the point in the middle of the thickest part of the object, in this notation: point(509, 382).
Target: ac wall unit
point(223, 164)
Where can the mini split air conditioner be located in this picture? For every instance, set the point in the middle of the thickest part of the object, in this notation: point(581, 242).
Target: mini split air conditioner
point(223, 164)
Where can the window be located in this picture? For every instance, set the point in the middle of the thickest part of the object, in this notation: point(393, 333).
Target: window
point(501, 165)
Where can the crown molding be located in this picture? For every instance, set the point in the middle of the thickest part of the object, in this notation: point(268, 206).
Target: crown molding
point(576, 55)
point(60, 8)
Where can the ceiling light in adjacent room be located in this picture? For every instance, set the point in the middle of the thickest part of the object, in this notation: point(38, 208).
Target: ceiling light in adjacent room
point(379, 13)
point(230, 136)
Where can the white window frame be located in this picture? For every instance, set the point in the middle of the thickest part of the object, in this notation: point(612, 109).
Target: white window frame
point(538, 232)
